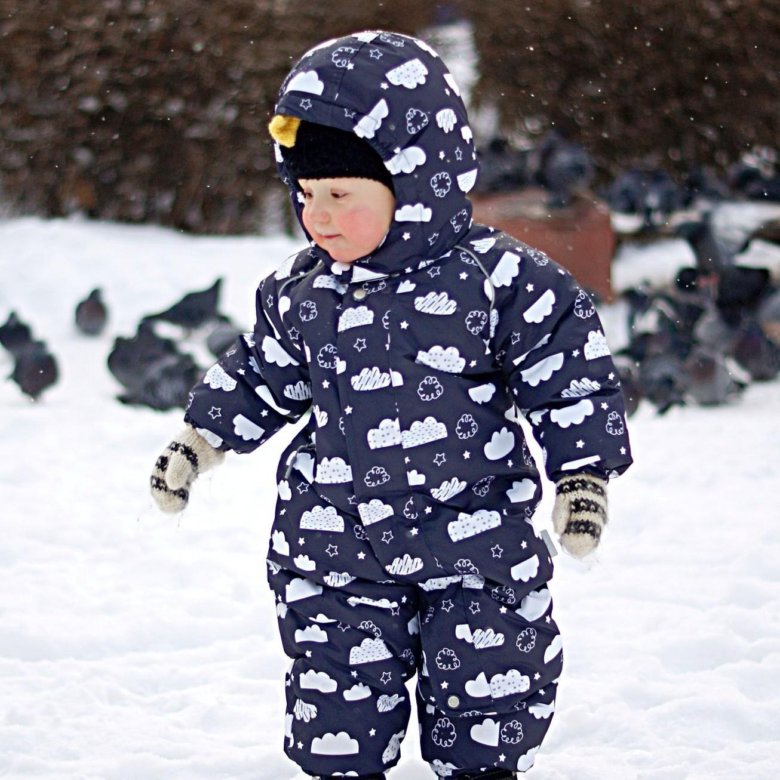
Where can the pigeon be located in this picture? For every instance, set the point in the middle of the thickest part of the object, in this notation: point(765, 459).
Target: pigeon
point(563, 167)
point(130, 357)
point(222, 337)
point(740, 291)
point(710, 253)
point(663, 381)
point(755, 352)
point(15, 335)
point(652, 195)
point(628, 371)
point(35, 369)
point(768, 317)
point(193, 310)
point(709, 382)
point(502, 168)
point(91, 314)
point(164, 383)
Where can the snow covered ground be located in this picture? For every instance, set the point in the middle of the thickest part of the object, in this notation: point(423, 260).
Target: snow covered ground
point(135, 646)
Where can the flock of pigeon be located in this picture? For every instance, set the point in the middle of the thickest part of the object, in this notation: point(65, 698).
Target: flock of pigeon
point(152, 369)
point(700, 339)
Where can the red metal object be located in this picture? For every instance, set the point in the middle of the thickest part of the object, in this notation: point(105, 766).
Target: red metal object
point(579, 236)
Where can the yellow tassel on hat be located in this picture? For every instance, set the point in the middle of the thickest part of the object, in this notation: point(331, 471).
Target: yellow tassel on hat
point(284, 129)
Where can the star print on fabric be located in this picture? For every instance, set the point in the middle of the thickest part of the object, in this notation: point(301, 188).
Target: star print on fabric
point(414, 531)
point(502, 757)
point(332, 550)
point(308, 653)
point(523, 544)
point(270, 301)
point(605, 405)
point(537, 676)
point(264, 413)
point(428, 510)
point(610, 375)
point(529, 287)
point(384, 85)
point(458, 153)
point(580, 444)
point(301, 541)
point(344, 627)
point(575, 353)
point(375, 54)
point(503, 610)
point(472, 364)
point(351, 66)
point(241, 371)
point(360, 344)
point(372, 732)
point(294, 333)
point(404, 325)
point(387, 537)
point(395, 611)
point(347, 410)
point(215, 411)
point(445, 685)
point(349, 114)
point(433, 239)
point(463, 276)
point(515, 337)
point(300, 745)
point(325, 384)
point(303, 487)
point(474, 607)
point(406, 236)
point(447, 605)
point(497, 551)
point(434, 271)
point(361, 555)
point(386, 677)
point(440, 459)
point(305, 104)
point(442, 155)
point(622, 450)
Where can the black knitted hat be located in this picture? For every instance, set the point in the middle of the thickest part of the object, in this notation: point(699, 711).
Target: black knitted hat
point(322, 152)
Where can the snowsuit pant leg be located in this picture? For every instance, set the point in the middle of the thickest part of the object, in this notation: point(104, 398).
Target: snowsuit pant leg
point(486, 691)
point(353, 648)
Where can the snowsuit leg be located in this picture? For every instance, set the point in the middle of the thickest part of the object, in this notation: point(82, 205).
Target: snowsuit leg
point(353, 648)
point(486, 692)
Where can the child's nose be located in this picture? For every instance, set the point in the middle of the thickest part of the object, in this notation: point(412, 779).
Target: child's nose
point(317, 211)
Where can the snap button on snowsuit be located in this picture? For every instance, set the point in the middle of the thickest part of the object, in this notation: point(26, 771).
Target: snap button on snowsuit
point(453, 701)
point(359, 294)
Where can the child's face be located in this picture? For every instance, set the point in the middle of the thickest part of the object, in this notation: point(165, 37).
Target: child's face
point(347, 217)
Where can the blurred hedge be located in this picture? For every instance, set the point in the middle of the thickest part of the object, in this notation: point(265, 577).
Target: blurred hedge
point(155, 110)
point(662, 82)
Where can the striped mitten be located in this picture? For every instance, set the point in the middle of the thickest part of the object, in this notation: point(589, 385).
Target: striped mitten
point(188, 455)
point(580, 512)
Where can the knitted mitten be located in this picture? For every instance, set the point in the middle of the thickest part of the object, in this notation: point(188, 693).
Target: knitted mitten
point(188, 455)
point(580, 512)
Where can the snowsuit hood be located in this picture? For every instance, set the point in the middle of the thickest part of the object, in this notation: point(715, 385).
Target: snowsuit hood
point(394, 92)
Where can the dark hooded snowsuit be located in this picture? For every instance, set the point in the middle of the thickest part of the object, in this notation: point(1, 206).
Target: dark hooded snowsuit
point(402, 540)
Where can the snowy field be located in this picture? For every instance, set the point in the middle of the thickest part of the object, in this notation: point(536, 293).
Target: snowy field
point(134, 646)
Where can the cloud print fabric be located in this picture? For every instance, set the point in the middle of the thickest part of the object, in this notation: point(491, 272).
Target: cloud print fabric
point(402, 540)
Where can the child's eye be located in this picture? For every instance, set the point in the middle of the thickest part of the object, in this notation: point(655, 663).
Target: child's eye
point(338, 195)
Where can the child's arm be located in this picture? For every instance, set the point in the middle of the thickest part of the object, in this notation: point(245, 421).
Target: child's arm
point(554, 354)
point(259, 385)
point(555, 358)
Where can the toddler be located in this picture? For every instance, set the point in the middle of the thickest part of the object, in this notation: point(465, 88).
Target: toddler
point(414, 340)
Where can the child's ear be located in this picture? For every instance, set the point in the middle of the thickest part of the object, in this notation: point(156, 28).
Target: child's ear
point(284, 129)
